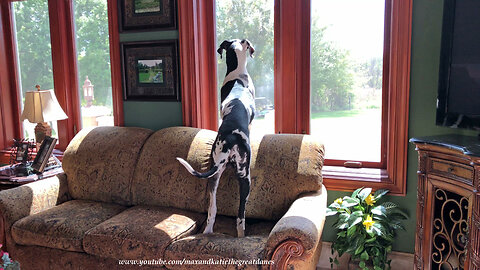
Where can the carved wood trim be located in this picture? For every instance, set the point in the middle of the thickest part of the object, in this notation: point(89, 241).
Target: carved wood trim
point(418, 260)
point(284, 252)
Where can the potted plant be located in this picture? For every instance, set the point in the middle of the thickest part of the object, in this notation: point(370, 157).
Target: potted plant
point(6, 262)
point(366, 228)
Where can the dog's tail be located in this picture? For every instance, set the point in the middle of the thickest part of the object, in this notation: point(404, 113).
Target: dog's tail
point(210, 173)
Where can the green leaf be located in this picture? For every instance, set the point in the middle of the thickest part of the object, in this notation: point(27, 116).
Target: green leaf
point(355, 193)
point(364, 193)
point(364, 256)
point(362, 264)
point(389, 205)
point(351, 231)
point(354, 221)
point(331, 212)
point(379, 210)
point(341, 234)
point(359, 249)
point(377, 268)
point(380, 193)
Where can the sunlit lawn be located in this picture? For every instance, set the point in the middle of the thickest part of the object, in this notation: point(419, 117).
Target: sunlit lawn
point(350, 135)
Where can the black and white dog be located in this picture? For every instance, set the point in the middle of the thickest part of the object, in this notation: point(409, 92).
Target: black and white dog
point(232, 145)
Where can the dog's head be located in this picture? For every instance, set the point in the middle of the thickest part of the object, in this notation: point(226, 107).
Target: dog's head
point(242, 48)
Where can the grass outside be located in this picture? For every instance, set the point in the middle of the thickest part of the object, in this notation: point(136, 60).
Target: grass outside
point(347, 135)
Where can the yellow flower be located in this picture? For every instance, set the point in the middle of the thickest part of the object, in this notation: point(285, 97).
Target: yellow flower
point(368, 222)
point(339, 201)
point(370, 200)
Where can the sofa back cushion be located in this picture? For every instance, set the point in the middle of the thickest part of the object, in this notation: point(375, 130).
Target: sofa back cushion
point(100, 162)
point(282, 167)
point(159, 178)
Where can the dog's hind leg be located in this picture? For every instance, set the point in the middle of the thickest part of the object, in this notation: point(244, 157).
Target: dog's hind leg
point(212, 208)
point(243, 174)
point(244, 186)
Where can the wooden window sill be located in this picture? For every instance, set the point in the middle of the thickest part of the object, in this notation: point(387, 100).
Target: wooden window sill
point(348, 179)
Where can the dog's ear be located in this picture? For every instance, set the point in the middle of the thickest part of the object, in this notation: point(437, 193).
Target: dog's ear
point(250, 47)
point(224, 46)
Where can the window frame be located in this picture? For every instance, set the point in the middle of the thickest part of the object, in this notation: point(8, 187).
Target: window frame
point(292, 84)
point(64, 61)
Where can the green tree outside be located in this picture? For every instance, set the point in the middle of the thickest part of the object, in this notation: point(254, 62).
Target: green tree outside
point(34, 47)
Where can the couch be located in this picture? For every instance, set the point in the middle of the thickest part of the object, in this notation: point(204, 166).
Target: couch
point(124, 200)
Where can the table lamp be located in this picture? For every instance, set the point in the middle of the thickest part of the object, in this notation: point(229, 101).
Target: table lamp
point(41, 106)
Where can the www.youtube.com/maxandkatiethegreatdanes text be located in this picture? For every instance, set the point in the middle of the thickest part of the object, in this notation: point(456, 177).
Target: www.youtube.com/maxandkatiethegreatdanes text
point(196, 262)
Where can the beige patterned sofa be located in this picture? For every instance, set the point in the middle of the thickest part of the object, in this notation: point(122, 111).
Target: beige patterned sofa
point(124, 199)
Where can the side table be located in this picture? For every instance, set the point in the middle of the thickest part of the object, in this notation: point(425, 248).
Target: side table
point(8, 179)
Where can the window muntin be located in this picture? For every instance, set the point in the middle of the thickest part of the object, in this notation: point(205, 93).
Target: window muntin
point(252, 20)
point(346, 77)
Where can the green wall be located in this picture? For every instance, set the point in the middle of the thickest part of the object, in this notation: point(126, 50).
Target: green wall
point(426, 35)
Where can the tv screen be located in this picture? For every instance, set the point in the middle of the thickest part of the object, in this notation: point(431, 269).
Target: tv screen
point(458, 103)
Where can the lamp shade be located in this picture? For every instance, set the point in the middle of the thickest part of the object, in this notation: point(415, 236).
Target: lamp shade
point(42, 106)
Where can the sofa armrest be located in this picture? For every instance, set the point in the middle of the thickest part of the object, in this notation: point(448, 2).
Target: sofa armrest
point(30, 199)
point(297, 235)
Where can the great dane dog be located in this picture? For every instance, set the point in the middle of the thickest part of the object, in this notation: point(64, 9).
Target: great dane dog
point(232, 144)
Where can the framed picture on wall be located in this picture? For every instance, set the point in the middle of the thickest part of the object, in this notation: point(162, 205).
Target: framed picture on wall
point(150, 70)
point(141, 15)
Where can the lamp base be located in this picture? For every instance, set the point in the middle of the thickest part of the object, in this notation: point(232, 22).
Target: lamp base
point(42, 130)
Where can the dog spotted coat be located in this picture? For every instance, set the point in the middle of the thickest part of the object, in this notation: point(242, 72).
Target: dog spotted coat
point(232, 144)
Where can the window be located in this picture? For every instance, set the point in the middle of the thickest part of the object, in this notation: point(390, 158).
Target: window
point(231, 24)
point(34, 53)
point(57, 44)
point(292, 73)
point(346, 78)
point(93, 60)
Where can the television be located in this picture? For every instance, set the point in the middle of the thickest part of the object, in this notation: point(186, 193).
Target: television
point(458, 103)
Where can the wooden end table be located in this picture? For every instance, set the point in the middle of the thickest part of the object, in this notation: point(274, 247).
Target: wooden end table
point(8, 179)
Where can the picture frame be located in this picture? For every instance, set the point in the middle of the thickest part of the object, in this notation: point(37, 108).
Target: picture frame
point(43, 154)
point(22, 151)
point(150, 70)
point(145, 15)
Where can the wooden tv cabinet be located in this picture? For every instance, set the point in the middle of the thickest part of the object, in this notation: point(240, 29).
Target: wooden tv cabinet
point(448, 202)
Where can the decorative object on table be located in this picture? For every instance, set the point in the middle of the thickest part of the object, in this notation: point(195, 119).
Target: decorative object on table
point(21, 151)
point(366, 228)
point(41, 106)
point(20, 156)
point(44, 154)
point(150, 70)
point(7, 263)
point(147, 15)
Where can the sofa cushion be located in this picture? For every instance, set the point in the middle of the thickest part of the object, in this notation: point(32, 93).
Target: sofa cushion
point(100, 162)
point(63, 226)
point(216, 247)
point(160, 179)
point(141, 232)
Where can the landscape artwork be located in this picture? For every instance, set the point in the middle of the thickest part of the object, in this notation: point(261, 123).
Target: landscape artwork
point(147, 6)
point(150, 71)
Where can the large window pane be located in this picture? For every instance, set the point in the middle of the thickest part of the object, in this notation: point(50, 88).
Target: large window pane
point(346, 77)
point(34, 52)
point(252, 20)
point(93, 56)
